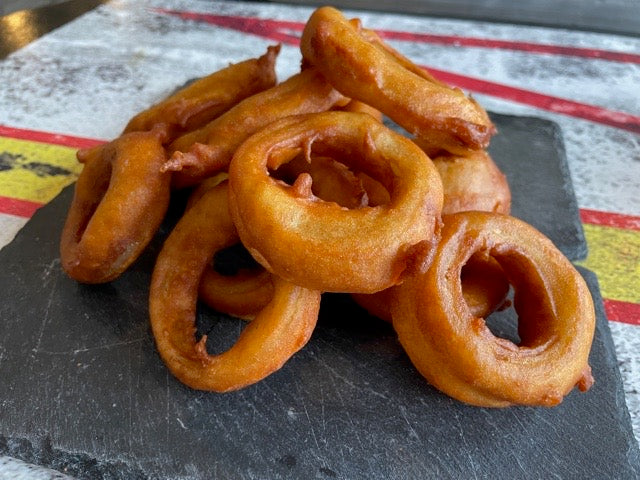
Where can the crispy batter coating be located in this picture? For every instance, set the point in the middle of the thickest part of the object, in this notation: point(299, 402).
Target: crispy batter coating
point(281, 328)
point(361, 66)
point(473, 182)
point(209, 149)
point(119, 202)
point(458, 354)
point(321, 245)
point(207, 98)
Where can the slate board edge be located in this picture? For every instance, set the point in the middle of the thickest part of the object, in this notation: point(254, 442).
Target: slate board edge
point(633, 454)
point(581, 248)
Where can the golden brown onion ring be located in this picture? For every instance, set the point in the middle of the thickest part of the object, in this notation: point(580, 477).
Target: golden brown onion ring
point(362, 67)
point(247, 291)
point(277, 332)
point(321, 245)
point(199, 154)
point(473, 182)
point(457, 353)
point(119, 202)
point(205, 99)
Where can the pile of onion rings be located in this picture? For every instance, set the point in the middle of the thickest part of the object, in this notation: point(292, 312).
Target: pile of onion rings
point(360, 174)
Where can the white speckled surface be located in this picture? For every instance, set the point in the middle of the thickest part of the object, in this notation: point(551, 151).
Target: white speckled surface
point(70, 81)
point(14, 469)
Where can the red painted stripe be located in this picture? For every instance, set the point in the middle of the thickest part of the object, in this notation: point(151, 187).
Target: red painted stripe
point(288, 32)
point(593, 113)
point(610, 219)
point(624, 312)
point(529, 47)
point(278, 30)
point(48, 137)
point(17, 207)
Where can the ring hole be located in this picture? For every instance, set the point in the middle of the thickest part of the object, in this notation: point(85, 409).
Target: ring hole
point(222, 330)
point(503, 322)
point(489, 295)
point(527, 317)
point(231, 260)
point(333, 181)
point(98, 191)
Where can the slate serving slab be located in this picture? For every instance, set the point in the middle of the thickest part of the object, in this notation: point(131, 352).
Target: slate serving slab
point(83, 390)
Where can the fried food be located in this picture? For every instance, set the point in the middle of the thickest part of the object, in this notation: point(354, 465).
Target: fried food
point(120, 200)
point(243, 292)
point(458, 354)
point(361, 66)
point(208, 150)
point(207, 98)
point(473, 182)
point(318, 244)
point(305, 178)
point(281, 328)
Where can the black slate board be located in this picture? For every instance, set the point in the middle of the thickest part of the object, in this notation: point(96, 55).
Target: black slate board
point(84, 391)
point(530, 152)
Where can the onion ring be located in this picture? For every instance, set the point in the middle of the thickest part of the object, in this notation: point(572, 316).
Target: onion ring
point(277, 332)
point(318, 244)
point(119, 202)
point(473, 182)
point(459, 355)
point(362, 67)
point(205, 99)
point(247, 291)
point(203, 152)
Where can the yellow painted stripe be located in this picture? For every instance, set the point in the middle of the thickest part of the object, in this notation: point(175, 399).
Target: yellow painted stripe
point(35, 171)
point(614, 256)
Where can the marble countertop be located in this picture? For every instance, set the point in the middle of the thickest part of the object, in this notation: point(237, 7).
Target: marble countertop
point(61, 89)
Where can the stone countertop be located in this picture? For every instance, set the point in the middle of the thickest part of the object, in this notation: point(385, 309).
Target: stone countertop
point(56, 87)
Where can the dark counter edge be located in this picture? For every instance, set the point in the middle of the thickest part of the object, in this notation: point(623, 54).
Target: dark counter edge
point(44, 20)
point(579, 15)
